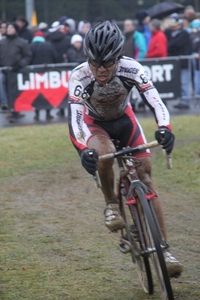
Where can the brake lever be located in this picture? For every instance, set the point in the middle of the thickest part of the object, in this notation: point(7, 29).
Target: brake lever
point(167, 156)
point(168, 159)
point(97, 180)
point(96, 175)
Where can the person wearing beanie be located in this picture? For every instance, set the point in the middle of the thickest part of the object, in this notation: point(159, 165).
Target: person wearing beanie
point(38, 33)
point(15, 53)
point(62, 20)
point(75, 52)
point(76, 38)
point(43, 52)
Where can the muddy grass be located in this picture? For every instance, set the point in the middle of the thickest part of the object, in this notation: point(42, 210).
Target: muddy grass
point(54, 244)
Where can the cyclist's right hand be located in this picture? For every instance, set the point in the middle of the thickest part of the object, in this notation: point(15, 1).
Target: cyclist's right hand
point(166, 138)
point(89, 159)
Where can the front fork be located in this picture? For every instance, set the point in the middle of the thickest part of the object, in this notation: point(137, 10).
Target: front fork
point(125, 245)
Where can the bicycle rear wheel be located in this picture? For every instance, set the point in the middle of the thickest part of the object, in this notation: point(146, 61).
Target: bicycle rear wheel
point(141, 262)
point(154, 246)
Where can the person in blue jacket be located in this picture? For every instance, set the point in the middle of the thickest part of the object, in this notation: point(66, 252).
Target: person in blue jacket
point(143, 19)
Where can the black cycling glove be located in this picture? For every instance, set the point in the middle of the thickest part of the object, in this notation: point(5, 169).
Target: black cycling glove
point(89, 159)
point(165, 138)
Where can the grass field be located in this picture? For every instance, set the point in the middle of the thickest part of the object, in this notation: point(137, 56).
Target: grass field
point(54, 244)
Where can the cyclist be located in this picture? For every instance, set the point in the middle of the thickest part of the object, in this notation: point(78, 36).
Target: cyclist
point(99, 110)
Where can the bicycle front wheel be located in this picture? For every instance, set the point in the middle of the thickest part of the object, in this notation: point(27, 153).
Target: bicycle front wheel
point(153, 244)
point(141, 263)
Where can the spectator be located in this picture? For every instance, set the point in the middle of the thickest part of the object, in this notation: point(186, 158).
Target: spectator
point(134, 47)
point(134, 44)
point(24, 32)
point(72, 24)
point(166, 26)
point(67, 29)
point(158, 43)
point(83, 28)
point(42, 53)
point(62, 20)
point(75, 52)
point(3, 26)
point(179, 44)
point(189, 13)
point(44, 28)
point(194, 31)
point(143, 20)
point(14, 52)
point(60, 40)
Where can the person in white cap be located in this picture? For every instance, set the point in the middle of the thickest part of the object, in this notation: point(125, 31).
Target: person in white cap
point(42, 26)
point(75, 52)
point(59, 39)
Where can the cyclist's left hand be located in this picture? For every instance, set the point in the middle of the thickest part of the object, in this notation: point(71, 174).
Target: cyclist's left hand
point(166, 138)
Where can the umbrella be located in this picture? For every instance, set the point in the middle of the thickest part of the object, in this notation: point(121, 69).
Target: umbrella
point(164, 9)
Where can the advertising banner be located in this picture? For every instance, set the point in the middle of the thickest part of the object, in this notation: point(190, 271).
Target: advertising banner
point(165, 75)
point(38, 88)
point(45, 88)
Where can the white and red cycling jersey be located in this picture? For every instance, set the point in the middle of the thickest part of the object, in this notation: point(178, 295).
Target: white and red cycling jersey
point(96, 108)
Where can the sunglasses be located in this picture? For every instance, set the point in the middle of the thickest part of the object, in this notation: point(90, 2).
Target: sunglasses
point(105, 64)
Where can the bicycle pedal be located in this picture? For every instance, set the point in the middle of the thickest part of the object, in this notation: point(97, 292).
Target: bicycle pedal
point(124, 245)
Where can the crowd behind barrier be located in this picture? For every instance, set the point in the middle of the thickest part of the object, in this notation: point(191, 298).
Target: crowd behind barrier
point(46, 86)
point(36, 76)
point(39, 87)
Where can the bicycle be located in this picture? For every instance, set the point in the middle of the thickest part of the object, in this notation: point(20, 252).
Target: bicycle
point(142, 235)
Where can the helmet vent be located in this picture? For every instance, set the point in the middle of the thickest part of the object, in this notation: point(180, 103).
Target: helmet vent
point(104, 41)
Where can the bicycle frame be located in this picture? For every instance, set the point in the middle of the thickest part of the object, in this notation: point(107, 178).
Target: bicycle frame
point(142, 235)
point(128, 167)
